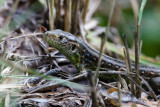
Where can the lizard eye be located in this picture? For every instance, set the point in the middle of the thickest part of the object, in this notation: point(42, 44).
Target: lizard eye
point(73, 47)
point(60, 37)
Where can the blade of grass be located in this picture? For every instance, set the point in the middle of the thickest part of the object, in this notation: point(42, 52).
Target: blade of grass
point(141, 11)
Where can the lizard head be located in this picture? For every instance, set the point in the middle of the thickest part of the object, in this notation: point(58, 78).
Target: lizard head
point(61, 40)
point(64, 42)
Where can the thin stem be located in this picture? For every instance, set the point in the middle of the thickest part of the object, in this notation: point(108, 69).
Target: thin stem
point(51, 15)
point(104, 40)
point(137, 49)
point(93, 89)
point(58, 14)
point(58, 9)
point(85, 10)
point(75, 15)
point(119, 95)
point(67, 19)
point(135, 8)
point(128, 62)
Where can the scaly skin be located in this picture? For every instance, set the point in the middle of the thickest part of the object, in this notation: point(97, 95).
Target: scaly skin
point(83, 56)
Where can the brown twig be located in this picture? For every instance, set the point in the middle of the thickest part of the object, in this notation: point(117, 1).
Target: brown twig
point(152, 94)
point(124, 73)
point(58, 13)
point(119, 95)
point(128, 62)
point(93, 89)
point(51, 86)
point(41, 44)
point(75, 8)
point(104, 40)
point(51, 15)
point(58, 9)
point(67, 18)
point(137, 54)
point(137, 48)
point(85, 10)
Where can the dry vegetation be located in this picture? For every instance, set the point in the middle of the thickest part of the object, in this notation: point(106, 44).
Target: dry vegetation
point(29, 67)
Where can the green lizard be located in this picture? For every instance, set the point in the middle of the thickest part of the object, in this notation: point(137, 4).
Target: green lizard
point(83, 56)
